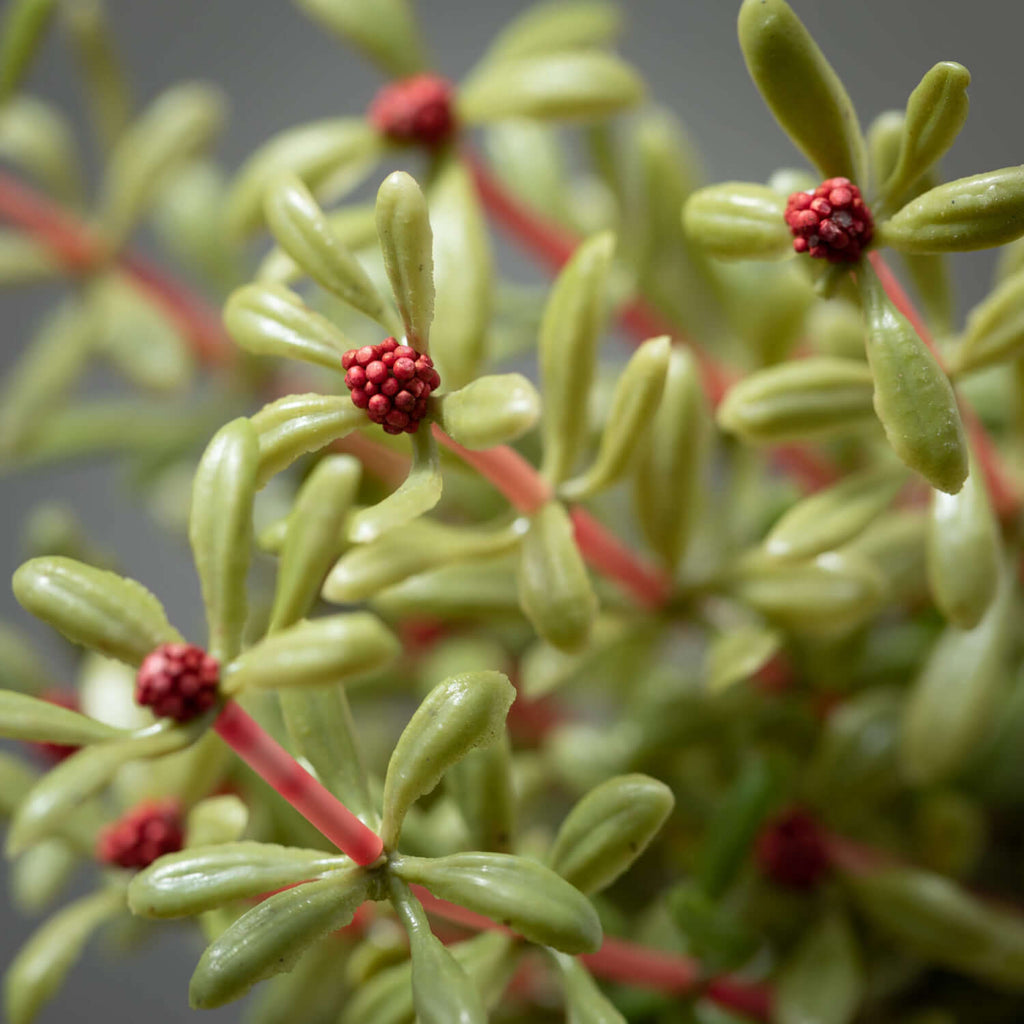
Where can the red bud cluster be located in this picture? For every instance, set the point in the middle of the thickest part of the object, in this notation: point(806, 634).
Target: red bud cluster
point(417, 109)
point(146, 832)
point(791, 850)
point(177, 681)
point(391, 382)
point(831, 223)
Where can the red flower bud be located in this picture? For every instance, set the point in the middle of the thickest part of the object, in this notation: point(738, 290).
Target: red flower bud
point(831, 223)
point(391, 382)
point(791, 850)
point(417, 109)
point(146, 832)
point(177, 681)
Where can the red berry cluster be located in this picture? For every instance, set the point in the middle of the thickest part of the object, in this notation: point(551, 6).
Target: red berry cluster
point(791, 850)
point(417, 109)
point(57, 752)
point(146, 832)
point(391, 382)
point(177, 681)
point(831, 223)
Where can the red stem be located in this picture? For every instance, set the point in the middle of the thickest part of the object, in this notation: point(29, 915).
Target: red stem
point(1004, 495)
point(619, 960)
point(316, 804)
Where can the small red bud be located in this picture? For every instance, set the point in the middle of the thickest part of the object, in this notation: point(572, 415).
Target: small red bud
point(177, 681)
point(392, 383)
point(831, 223)
point(146, 832)
point(415, 110)
point(791, 850)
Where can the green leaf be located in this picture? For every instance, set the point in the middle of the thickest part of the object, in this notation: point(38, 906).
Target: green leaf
point(638, 391)
point(310, 544)
point(205, 877)
point(39, 877)
point(552, 26)
point(710, 927)
point(801, 89)
point(608, 829)
point(441, 990)
point(39, 969)
point(27, 718)
point(519, 893)
point(569, 335)
point(995, 328)
point(407, 243)
point(302, 230)
point(39, 139)
point(314, 652)
point(220, 531)
point(216, 820)
point(736, 655)
point(419, 493)
point(491, 411)
point(329, 157)
point(177, 125)
point(978, 212)
point(20, 667)
point(297, 424)
point(738, 221)
point(384, 31)
point(936, 111)
point(463, 275)
point(585, 1003)
point(459, 714)
point(482, 787)
point(913, 397)
point(16, 779)
point(582, 85)
point(271, 937)
point(823, 981)
point(270, 320)
point(24, 29)
point(95, 608)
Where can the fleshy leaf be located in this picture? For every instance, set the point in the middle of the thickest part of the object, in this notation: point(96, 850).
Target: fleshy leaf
point(38, 138)
point(995, 327)
point(738, 221)
point(27, 718)
point(24, 28)
point(216, 820)
point(737, 654)
point(482, 787)
point(585, 1003)
point(562, 25)
point(492, 410)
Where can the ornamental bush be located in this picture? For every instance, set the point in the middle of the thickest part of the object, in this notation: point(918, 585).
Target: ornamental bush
point(536, 683)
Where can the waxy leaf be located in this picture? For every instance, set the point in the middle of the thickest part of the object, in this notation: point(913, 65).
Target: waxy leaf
point(418, 493)
point(482, 786)
point(519, 893)
point(407, 244)
point(204, 877)
point(995, 328)
point(459, 714)
point(216, 820)
point(41, 965)
point(913, 397)
point(302, 230)
point(314, 652)
point(638, 391)
point(608, 829)
point(823, 981)
point(583, 85)
point(328, 157)
point(492, 410)
point(738, 221)
point(220, 531)
point(38, 878)
point(569, 334)
point(801, 89)
point(27, 718)
point(469, 591)
point(737, 654)
point(811, 397)
point(553, 26)
point(98, 609)
point(24, 28)
point(554, 587)
point(978, 212)
point(585, 1003)
point(271, 937)
point(20, 667)
point(297, 424)
point(270, 320)
point(39, 139)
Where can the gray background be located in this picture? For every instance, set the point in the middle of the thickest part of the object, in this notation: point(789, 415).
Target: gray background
point(279, 70)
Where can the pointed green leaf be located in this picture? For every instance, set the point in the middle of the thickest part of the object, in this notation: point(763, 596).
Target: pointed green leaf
point(297, 424)
point(39, 139)
point(98, 609)
point(314, 652)
point(581, 85)
point(459, 714)
point(514, 891)
point(270, 320)
point(995, 328)
point(27, 718)
point(24, 29)
point(801, 89)
point(608, 829)
point(407, 243)
point(585, 1003)
point(204, 877)
point(491, 411)
point(302, 230)
point(736, 655)
point(271, 937)
point(220, 531)
point(738, 221)
point(419, 493)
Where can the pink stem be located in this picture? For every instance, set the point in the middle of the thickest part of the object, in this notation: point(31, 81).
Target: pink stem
point(1004, 495)
point(316, 804)
point(618, 960)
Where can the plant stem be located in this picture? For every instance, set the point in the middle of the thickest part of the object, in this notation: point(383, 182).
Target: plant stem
point(77, 247)
point(1004, 494)
point(316, 804)
point(618, 960)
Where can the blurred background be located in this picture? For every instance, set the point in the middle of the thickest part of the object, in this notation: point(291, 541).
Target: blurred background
point(278, 70)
